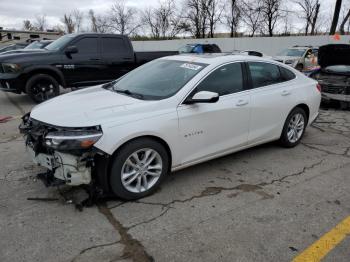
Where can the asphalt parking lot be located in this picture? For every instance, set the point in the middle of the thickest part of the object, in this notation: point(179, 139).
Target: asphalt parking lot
point(263, 204)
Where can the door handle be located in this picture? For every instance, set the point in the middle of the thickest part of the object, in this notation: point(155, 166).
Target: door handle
point(242, 102)
point(95, 59)
point(285, 93)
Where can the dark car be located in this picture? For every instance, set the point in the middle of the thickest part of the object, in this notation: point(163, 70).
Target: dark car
point(72, 61)
point(334, 73)
point(29, 48)
point(13, 47)
point(38, 44)
point(199, 49)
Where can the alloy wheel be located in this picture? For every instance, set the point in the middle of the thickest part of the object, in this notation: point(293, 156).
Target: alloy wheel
point(141, 170)
point(43, 90)
point(295, 127)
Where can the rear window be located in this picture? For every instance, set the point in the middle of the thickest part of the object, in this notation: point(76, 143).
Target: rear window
point(264, 74)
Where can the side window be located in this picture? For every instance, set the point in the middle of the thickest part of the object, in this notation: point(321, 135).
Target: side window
point(264, 74)
point(225, 80)
point(286, 74)
point(113, 46)
point(86, 46)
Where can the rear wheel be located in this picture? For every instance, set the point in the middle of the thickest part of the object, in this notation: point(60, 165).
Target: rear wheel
point(138, 168)
point(42, 87)
point(294, 128)
point(299, 67)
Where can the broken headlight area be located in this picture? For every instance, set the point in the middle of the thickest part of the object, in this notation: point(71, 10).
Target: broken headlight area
point(67, 153)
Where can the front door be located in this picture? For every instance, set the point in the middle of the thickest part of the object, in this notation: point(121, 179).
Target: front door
point(208, 129)
point(84, 67)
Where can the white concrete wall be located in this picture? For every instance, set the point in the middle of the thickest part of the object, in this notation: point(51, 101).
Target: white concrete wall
point(268, 45)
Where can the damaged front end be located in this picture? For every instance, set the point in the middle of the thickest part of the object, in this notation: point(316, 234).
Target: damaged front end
point(67, 153)
point(334, 86)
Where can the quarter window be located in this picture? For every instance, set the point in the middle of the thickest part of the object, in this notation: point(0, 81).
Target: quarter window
point(264, 74)
point(225, 80)
point(286, 74)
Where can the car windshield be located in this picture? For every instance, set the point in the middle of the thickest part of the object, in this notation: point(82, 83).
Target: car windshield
point(292, 52)
point(158, 79)
point(34, 45)
point(59, 43)
point(186, 49)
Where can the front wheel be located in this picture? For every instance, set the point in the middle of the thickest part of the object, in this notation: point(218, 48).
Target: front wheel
point(138, 168)
point(42, 87)
point(294, 128)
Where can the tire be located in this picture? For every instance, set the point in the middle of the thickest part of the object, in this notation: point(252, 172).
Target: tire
point(298, 130)
point(124, 169)
point(42, 87)
point(299, 67)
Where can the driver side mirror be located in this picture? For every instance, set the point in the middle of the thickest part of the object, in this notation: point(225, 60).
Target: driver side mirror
point(203, 97)
point(71, 50)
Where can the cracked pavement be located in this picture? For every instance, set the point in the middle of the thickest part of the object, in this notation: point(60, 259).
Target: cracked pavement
point(263, 204)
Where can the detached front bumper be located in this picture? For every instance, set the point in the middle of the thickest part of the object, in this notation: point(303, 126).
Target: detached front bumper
point(338, 97)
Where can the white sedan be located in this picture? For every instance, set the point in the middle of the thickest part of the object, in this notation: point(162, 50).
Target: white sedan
point(125, 136)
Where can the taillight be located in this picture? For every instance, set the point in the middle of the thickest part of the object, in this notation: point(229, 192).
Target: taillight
point(318, 86)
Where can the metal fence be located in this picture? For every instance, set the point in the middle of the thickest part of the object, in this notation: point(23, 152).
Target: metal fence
point(267, 45)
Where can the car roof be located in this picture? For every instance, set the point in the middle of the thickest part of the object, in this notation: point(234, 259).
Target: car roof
point(215, 58)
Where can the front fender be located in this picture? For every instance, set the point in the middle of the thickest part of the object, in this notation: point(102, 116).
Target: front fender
point(46, 69)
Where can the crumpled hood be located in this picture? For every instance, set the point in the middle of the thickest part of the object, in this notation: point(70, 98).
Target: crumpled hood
point(89, 107)
point(334, 54)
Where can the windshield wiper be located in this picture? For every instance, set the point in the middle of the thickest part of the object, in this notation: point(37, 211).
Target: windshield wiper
point(129, 93)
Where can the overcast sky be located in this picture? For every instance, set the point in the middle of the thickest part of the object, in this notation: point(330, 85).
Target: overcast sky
point(13, 12)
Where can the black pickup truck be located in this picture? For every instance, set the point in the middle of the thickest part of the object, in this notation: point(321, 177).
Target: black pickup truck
point(72, 61)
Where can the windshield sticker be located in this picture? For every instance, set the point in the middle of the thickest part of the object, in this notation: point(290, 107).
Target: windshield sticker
point(191, 66)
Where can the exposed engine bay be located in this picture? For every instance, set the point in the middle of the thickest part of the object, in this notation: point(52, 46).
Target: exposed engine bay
point(67, 153)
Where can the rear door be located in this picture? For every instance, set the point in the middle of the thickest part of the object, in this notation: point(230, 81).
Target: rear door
point(84, 67)
point(271, 100)
point(208, 129)
point(117, 56)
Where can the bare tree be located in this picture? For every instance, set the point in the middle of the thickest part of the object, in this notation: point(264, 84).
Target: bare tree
point(310, 10)
point(40, 22)
point(68, 22)
point(214, 9)
point(163, 21)
point(345, 20)
point(123, 18)
point(271, 13)
point(335, 17)
point(252, 15)
point(196, 16)
point(27, 25)
point(99, 24)
point(233, 16)
point(77, 17)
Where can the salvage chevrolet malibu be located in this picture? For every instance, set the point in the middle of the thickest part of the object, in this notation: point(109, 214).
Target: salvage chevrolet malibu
point(125, 136)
